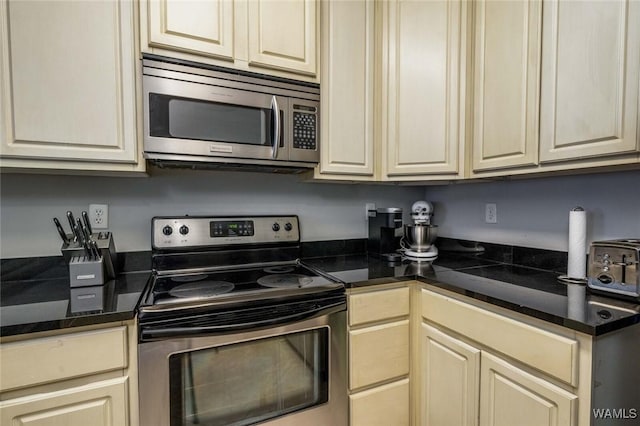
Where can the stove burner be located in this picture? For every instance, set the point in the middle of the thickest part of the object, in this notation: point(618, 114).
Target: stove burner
point(189, 278)
point(285, 280)
point(201, 289)
point(279, 269)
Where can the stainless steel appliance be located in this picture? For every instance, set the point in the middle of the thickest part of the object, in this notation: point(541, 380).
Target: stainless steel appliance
point(198, 115)
point(235, 330)
point(613, 267)
point(417, 240)
point(383, 241)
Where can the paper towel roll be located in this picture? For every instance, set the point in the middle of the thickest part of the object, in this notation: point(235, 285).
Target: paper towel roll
point(576, 301)
point(577, 263)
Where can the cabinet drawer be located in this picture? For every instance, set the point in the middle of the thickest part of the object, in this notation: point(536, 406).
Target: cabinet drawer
point(49, 359)
point(550, 353)
point(381, 406)
point(378, 305)
point(378, 353)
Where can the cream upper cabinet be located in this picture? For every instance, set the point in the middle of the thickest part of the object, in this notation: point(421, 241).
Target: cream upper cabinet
point(422, 80)
point(282, 34)
point(68, 74)
point(510, 396)
point(590, 75)
point(201, 27)
point(277, 37)
point(346, 88)
point(506, 83)
point(450, 379)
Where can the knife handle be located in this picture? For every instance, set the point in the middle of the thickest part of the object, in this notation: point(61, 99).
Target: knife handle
point(85, 218)
point(63, 234)
point(72, 223)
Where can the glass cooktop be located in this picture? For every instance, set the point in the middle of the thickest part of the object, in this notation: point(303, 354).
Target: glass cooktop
point(291, 278)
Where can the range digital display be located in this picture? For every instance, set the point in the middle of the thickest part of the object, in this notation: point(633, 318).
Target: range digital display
point(226, 228)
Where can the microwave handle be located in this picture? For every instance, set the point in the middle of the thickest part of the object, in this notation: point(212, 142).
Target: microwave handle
point(276, 127)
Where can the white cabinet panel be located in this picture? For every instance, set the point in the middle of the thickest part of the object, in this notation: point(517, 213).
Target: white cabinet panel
point(589, 98)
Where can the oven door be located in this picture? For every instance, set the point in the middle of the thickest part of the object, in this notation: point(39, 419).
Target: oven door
point(291, 374)
point(189, 118)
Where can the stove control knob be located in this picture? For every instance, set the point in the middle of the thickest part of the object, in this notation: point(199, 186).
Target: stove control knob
point(184, 229)
point(276, 227)
point(167, 230)
point(288, 226)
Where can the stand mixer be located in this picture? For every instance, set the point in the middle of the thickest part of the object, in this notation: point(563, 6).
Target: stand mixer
point(417, 241)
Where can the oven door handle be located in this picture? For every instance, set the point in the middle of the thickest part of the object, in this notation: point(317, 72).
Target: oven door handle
point(150, 334)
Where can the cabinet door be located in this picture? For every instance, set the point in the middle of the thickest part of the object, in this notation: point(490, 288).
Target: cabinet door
point(510, 396)
point(282, 35)
point(450, 380)
point(67, 76)
point(506, 83)
point(421, 80)
point(589, 97)
point(201, 27)
point(381, 406)
point(99, 404)
point(347, 87)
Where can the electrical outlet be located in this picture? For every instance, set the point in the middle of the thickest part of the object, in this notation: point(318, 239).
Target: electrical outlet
point(99, 216)
point(367, 207)
point(491, 213)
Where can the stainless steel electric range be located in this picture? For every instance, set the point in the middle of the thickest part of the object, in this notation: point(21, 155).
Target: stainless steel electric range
point(235, 330)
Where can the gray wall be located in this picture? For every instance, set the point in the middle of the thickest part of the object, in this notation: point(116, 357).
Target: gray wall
point(327, 211)
point(535, 212)
point(531, 213)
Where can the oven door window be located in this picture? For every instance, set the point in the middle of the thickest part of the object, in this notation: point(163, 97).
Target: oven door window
point(250, 382)
point(192, 119)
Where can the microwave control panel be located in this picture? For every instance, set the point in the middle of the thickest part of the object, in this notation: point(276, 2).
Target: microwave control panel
point(304, 127)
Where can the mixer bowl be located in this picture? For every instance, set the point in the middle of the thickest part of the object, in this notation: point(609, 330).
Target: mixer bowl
point(419, 237)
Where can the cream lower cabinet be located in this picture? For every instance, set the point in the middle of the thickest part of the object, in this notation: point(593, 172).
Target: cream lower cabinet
point(510, 396)
point(450, 379)
point(100, 404)
point(424, 51)
point(379, 331)
point(86, 377)
point(481, 368)
point(271, 37)
point(68, 85)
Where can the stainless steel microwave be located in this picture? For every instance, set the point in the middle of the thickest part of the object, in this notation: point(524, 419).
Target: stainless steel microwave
point(196, 115)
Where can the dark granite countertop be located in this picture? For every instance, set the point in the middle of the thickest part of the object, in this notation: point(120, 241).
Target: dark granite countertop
point(530, 291)
point(35, 295)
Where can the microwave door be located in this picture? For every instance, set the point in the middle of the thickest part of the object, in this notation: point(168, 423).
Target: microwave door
point(186, 118)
